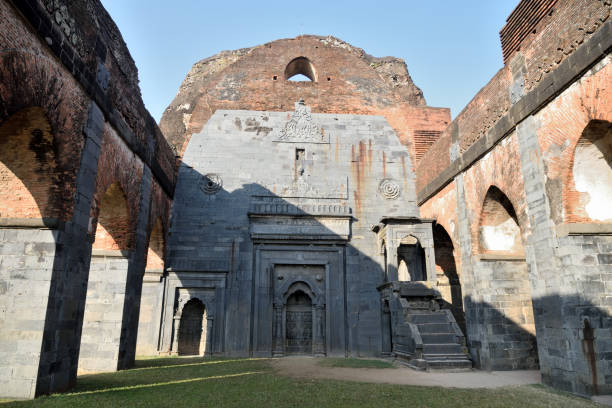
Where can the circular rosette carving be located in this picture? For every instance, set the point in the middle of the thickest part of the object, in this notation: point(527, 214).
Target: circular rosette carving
point(211, 183)
point(389, 189)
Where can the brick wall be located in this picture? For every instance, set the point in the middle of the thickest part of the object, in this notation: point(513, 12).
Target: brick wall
point(348, 81)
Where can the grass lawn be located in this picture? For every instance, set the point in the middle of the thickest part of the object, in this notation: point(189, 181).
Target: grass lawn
point(355, 363)
point(180, 382)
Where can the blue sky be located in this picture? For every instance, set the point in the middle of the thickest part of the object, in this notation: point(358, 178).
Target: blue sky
point(451, 47)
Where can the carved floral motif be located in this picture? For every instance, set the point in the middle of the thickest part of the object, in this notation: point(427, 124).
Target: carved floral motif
point(301, 128)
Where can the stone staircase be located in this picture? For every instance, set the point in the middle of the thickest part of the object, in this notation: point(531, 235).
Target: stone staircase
point(442, 341)
point(424, 336)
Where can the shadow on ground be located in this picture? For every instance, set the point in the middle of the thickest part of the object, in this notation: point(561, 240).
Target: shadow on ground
point(198, 382)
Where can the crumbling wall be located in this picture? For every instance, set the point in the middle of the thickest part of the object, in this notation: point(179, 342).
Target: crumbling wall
point(347, 80)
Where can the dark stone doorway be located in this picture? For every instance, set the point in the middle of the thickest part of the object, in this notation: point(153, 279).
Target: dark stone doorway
point(190, 330)
point(299, 324)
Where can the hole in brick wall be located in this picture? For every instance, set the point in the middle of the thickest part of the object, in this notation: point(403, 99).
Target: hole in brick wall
point(499, 228)
point(592, 170)
point(328, 78)
point(275, 77)
point(300, 69)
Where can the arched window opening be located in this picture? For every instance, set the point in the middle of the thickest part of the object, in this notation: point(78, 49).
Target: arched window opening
point(113, 231)
point(592, 170)
point(410, 260)
point(155, 252)
point(499, 228)
point(299, 323)
point(29, 183)
point(191, 336)
point(300, 69)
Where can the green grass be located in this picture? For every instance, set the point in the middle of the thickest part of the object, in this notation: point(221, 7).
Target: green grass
point(197, 382)
point(355, 363)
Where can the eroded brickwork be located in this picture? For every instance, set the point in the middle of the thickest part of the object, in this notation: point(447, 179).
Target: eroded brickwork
point(347, 80)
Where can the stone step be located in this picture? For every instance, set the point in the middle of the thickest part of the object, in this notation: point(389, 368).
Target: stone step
point(430, 328)
point(449, 364)
point(439, 338)
point(445, 356)
point(429, 318)
point(452, 348)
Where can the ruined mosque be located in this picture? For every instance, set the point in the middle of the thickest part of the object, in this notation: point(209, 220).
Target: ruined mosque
point(336, 216)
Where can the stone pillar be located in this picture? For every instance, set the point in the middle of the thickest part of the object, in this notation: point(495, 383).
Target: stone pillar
point(133, 287)
point(61, 340)
point(175, 330)
point(318, 326)
point(279, 349)
point(209, 329)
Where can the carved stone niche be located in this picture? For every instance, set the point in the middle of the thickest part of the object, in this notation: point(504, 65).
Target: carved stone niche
point(407, 245)
point(207, 297)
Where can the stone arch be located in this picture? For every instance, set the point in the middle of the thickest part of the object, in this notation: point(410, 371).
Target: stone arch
point(301, 66)
point(29, 182)
point(411, 260)
point(113, 230)
point(299, 301)
point(155, 251)
point(591, 174)
point(192, 328)
point(449, 283)
point(299, 319)
point(498, 227)
point(299, 286)
point(107, 284)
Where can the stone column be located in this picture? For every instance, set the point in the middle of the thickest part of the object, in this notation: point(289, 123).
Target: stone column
point(209, 328)
point(318, 326)
point(175, 331)
point(279, 349)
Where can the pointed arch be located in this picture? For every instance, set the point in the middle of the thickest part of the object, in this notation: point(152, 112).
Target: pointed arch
point(591, 174)
point(192, 328)
point(113, 231)
point(499, 229)
point(449, 283)
point(411, 260)
point(157, 243)
point(301, 66)
point(29, 181)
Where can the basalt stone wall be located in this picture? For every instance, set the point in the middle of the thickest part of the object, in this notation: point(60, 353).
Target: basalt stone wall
point(306, 196)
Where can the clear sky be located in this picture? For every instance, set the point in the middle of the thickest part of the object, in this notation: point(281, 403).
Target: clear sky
point(451, 47)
